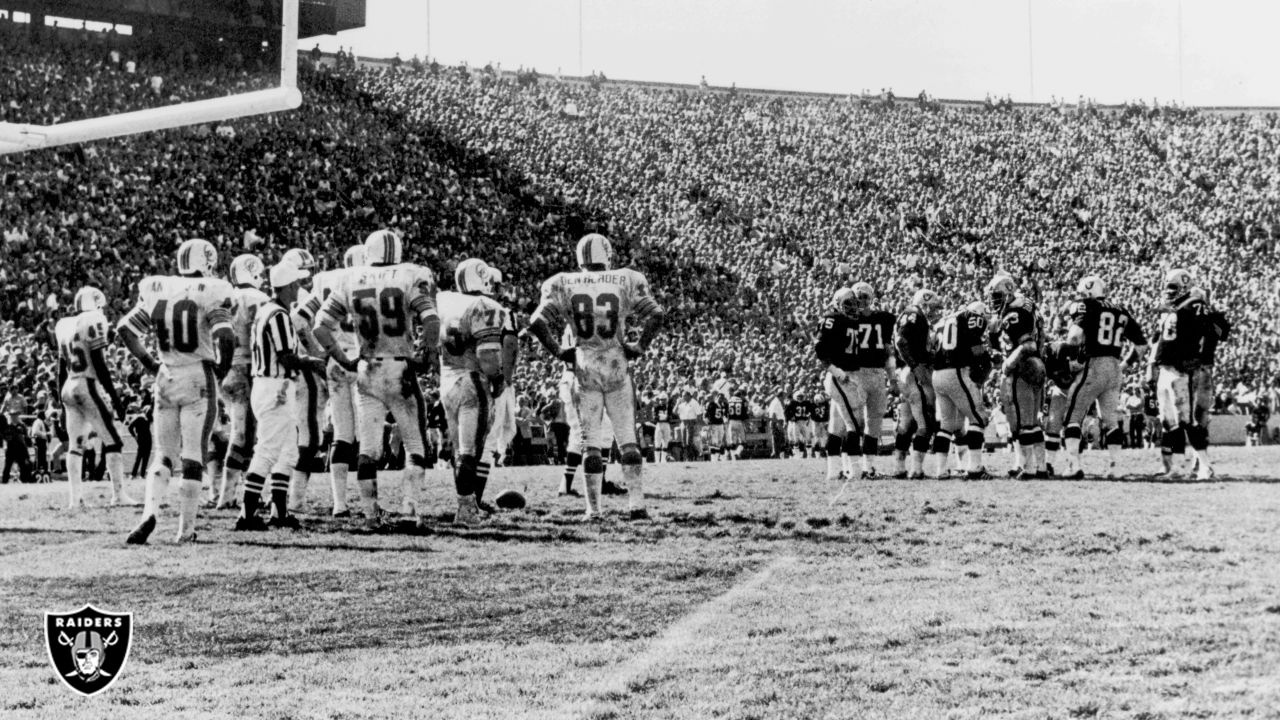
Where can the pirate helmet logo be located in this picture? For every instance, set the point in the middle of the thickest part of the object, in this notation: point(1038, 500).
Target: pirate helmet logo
point(88, 648)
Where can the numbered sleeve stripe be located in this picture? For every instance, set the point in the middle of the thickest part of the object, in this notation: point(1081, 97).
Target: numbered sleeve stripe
point(219, 316)
point(645, 306)
point(137, 320)
point(488, 336)
point(423, 305)
point(332, 312)
point(548, 313)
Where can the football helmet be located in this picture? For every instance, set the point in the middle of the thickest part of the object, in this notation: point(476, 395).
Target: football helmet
point(1177, 285)
point(595, 249)
point(1091, 286)
point(247, 271)
point(383, 247)
point(977, 307)
point(354, 256)
point(929, 303)
point(864, 295)
point(197, 257)
point(1001, 291)
point(301, 259)
point(89, 298)
point(845, 302)
point(798, 396)
point(473, 276)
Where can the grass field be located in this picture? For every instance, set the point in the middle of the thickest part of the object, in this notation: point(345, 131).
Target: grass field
point(746, 596)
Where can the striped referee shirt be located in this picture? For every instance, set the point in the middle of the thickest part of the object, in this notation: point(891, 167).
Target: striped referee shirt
point(273, 335)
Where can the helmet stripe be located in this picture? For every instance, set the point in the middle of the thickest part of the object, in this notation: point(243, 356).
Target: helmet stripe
point(184, 262)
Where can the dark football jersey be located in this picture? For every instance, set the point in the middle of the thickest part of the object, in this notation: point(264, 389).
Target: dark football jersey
point(798, 410)
point(738, 408)
point(821, 412)
point(838, 341)
point(911, 338)
point(662, 412)
point(1018, 324)
point(715, 412)
point(1057, 364)
point(875, 338)
point(960, 340)
point(1181, 331)
point(1217, 328)
point(1106, 326)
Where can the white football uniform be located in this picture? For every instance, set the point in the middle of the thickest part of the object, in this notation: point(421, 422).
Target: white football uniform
point(597, 306)
point(244, 307)
point(468, 324)
point(87, 405)
point(312, 390)
point(503, 430)
point(342, 392)
point(382, 302)
point(183, 313)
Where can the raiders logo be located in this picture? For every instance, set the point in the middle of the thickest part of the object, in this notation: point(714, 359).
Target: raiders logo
point(88, 648)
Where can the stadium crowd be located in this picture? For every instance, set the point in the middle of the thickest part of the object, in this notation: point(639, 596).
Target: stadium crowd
point(745, 210)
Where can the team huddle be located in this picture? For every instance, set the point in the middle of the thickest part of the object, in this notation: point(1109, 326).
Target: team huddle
point(939, 364)
point(289, 350)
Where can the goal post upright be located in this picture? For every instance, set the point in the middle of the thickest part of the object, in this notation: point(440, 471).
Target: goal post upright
point(19, 137)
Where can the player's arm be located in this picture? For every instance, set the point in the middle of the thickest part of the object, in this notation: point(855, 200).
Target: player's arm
point(224, 338)
point(510, 351)
point(332, 313)
point(649, 313)
point(98, 359)
point(830, 347)
point(130, 330)
point(423, 304)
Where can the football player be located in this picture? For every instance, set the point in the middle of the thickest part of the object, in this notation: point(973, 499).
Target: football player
point(473, 360)
point(798, 413)
point(876, 369)
point(88, 392)
point(1218, 327)
point(277, 360)
point(247, 275)
point(1022, 385)
point(598, 303)
point(962, 365)
point(190, 316)
point(310, 382)
point(837, 348)
point(1061, 367)
point(504, 403)
point(341, 382)
point(917, 421)
point(1175, 358)
point(739, 412)
point(661, 433)
point(1099, 329)
point(714, 412)
point(383, 299)
point(819, 420)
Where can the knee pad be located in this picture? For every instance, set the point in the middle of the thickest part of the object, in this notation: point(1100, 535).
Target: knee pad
point(942, 442)
point(1072, 432)
point(192, 469)
point(871, 445)
point(1178, 440)
point(238, 457)
point(976, 438)
point(852, 443)
point(902, 442)
point(1198, 436)
point(593, 464)
point(306, 458)
point(342, 453)
point(112, 449)
point(833, 444)
point(367, 468)
point(572, 460)
point(631, 455)
point(920, 443)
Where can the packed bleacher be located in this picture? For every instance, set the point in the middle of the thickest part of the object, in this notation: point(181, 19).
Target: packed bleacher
point(745, 210)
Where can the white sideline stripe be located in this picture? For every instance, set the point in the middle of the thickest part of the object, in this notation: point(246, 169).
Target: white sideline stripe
point(678, 638)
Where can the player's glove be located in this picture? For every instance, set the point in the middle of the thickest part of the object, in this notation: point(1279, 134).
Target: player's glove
point(569, 356)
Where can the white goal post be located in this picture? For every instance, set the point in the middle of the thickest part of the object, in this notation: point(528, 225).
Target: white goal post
point(19, 137)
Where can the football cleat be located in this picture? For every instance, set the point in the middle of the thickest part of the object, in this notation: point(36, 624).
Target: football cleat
point(595, 250)
point(383, 247)
point(124, 499)
point(288, 522)
point(1177, 285)
point(88, 299)
point(900, 475)
point(1042, 475)
point(474, 277)
point(638, 514)
point(252, 523)
point(868, 475)
point(1205, 472)
point(247, 271)
point(468, 513)
point(142, 532)
point(1091, 286)
point(977, 475)
point(608, 487)
point(485, 508)
point(185, 537)
point(354, 257)
point(917, 476)
point(197, 257)
point(570, 493)
point(343, 513)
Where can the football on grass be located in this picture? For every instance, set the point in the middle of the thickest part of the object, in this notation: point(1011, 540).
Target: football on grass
point(510, 500)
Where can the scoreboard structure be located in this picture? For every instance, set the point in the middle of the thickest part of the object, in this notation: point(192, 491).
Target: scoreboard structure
point(208, 18)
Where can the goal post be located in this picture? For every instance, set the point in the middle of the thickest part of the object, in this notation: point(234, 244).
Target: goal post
point(19, 137)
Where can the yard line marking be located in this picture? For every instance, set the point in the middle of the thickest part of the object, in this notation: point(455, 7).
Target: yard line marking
point(678, 638)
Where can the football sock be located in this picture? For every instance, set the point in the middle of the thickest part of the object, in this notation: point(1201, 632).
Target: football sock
point(482, 479)
point(253, 484)
point(298, 481)
point(189, 505)
point(976, 439)
point(593, 483)
point(338, 482)
point(571, 463)
point(941, 451)
point(230, 481)
point(157, 484)
point(633, 476)
point(75, 468)
point(115, 466)
point(919, 446)
point(279, 495)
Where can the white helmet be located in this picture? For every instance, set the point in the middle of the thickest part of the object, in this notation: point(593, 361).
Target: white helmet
point(197, 257)
point(247, 271)
point(929, 303)
point(301, 259)
point(354, 256)
point(1091, 286)
point(474, 276)
point(864, 295)
point(383, 247)
point(1177, 284)
point(595, 249)
point(89, 298)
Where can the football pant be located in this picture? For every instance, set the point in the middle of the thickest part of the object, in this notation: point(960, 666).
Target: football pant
point(848, 403)
point(275, 449)
point(959, 398)
point(186, 407)
point(88, 410)
point(1098, 382)
point(1173, 394)
point(380, 390)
